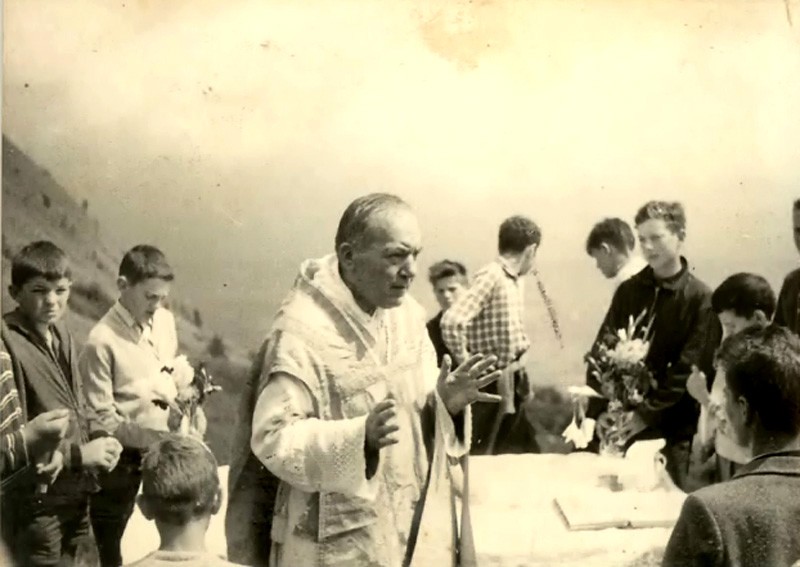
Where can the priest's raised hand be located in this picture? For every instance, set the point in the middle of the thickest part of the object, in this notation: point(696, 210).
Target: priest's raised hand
point(460, 387)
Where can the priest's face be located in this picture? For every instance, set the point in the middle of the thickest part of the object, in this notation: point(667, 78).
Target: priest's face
point(382, 266)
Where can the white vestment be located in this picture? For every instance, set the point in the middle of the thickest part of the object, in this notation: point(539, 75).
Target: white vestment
point(327, 364)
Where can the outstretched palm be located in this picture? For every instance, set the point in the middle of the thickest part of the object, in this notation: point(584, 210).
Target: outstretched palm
point(462, 386)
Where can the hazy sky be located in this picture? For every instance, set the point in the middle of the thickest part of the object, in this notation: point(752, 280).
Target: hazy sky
point(233, 134)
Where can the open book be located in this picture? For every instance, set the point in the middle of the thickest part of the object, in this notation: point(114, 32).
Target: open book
point(627, 509)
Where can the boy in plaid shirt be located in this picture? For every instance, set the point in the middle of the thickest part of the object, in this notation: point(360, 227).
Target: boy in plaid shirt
point(487, 319)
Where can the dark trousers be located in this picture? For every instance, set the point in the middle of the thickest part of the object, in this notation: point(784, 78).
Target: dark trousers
point(515, 434)
point(112, 506)
point(50, 535)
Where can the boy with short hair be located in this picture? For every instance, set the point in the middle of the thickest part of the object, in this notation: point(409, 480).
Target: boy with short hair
point(741, 302)
point(180, 492)
point(611, 243)
point(488, 319)
point(449, 280)
point(48, 522)
point(685, 332)
point(121, 365)
point(787, 312)
point(754, 518)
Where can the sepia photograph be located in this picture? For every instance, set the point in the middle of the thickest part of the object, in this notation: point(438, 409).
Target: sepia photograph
point(475, 283)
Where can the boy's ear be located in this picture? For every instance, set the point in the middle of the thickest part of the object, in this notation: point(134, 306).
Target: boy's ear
point(760, 318)
point(217, 504)
point(144, 506)
point(747, 414)
point(122, 283)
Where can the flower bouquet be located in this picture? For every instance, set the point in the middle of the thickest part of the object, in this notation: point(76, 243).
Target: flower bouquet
point(617, 361)
point(193, 386)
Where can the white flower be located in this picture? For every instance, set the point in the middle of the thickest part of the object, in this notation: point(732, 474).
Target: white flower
point(630, 352)
point(579, 436)
point(182, 372)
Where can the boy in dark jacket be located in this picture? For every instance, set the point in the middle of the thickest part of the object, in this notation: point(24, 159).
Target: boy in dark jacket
point(754, 518)
point(48, 521)
point(685, 333)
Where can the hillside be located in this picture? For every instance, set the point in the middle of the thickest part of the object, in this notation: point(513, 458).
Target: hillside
point(36, 207)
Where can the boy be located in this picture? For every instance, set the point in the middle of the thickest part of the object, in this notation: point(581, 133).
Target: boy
point(754, 518)
point(49, 522)
point(180, 492)
point(487, 319)
point(611, 243)
point(741, 301)
point(121, 365)
point(787, 312)
point(449, 280)
point(685, 332)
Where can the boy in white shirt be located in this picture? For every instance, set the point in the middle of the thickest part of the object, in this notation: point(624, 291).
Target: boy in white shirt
point(121, 367)
point(611, 243)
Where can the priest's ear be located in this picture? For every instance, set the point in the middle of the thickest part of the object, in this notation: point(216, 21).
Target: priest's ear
point(346, 253)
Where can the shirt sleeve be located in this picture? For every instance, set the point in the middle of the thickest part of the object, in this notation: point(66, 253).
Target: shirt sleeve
point(299, 448)
point(96, 368)
point(696, 539)
point(13, 452)
point(456, 319)
point(291, 440)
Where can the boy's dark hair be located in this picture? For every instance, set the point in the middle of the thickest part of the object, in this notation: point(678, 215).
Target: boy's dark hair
point(612, 231)
point(144, 262)
point(446, 269)
point(517, 233)
point(743, 294)
point(179, 480)
point(39, 259)
point(797, 205)
point(671, 213)
point(763, 366)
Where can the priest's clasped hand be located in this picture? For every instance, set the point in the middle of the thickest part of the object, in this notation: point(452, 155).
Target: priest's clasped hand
point(462, 386)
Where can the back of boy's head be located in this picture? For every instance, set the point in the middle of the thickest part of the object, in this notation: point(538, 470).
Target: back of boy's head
point(517, 233)
point(796, 206)
point(762, 365)
point(614, 232)
point(671, 213)
point(447, 269)
point(180, 480)
point(39, 259)
point(743, 294)
point(144, 262)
